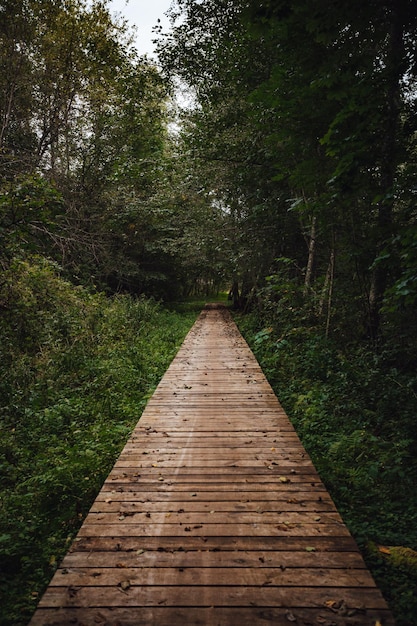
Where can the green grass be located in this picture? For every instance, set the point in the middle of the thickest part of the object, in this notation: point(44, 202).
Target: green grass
point(355, 414)
point(76, 371)
point(197, 302)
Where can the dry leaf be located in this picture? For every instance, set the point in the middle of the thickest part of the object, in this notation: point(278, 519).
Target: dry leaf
point(125, 585)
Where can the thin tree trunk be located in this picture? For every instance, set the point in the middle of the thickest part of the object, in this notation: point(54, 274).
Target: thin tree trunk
point(332, 263)
point(326, 284)
point(311, 256)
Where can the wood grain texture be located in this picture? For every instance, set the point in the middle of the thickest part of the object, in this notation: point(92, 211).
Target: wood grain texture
point(214, 513)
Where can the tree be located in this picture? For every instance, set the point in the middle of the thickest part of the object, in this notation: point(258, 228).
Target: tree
point(303, 106)
point(84, 117)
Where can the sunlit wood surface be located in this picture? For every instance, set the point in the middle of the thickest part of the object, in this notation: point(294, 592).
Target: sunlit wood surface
point(214, 513)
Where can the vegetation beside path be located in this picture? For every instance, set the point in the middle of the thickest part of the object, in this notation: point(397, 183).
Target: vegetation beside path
point(354, 409)
point(76, 370)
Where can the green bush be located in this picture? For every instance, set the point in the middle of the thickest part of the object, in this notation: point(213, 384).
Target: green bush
point(354, 409)
point(76, 371)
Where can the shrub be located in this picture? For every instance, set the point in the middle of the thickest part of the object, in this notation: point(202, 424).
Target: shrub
point(76, 371)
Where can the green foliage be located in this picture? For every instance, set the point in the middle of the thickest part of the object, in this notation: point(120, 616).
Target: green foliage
point(76, 370)
point(29, 207)
point(355, 413)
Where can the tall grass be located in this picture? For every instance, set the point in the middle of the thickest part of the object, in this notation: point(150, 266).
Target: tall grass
point(76, 370)
point(354, 411)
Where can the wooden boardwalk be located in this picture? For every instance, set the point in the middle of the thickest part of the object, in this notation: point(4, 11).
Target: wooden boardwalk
point(213, 513)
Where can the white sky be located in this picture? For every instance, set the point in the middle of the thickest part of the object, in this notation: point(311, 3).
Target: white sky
point(143, 14)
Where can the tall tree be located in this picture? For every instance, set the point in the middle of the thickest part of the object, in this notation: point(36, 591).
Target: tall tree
point(83, 128)
point(316, 96)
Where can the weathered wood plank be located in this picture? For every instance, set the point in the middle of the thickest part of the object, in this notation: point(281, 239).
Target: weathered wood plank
point(247, 495)
point(218, 616)
point(217, 558)
point(120, 545)
point(211, 577)
point(132, 506)
point(213, 530)
point(207, 596)
point(213, 517)
point(214, 513)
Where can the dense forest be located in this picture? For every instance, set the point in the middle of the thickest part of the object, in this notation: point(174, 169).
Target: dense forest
point(286, 176)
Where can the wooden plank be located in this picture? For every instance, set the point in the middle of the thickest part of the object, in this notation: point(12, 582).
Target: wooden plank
point(246, 495)
point(201, 489)
point(213, 530)
point(132, 506)
point(207, 596)
point(214, 513)
point(218, 616)
point(211, 577)
point(213, 517)
point(207, 559)
point(120, 545)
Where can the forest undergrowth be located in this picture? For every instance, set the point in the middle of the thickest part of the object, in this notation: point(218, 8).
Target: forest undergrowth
point(76, 370)
point(353, 405)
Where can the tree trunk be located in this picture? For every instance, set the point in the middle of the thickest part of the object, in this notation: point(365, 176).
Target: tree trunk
point(311, 256)
point(331, 284)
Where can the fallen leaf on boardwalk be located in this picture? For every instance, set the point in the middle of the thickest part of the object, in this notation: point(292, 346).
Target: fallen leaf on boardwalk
point(330, 603)
point(337, 606)
point(310, 549)
point(290, 616)
point(140, 551)
point(284, 479)
point(124, 585)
